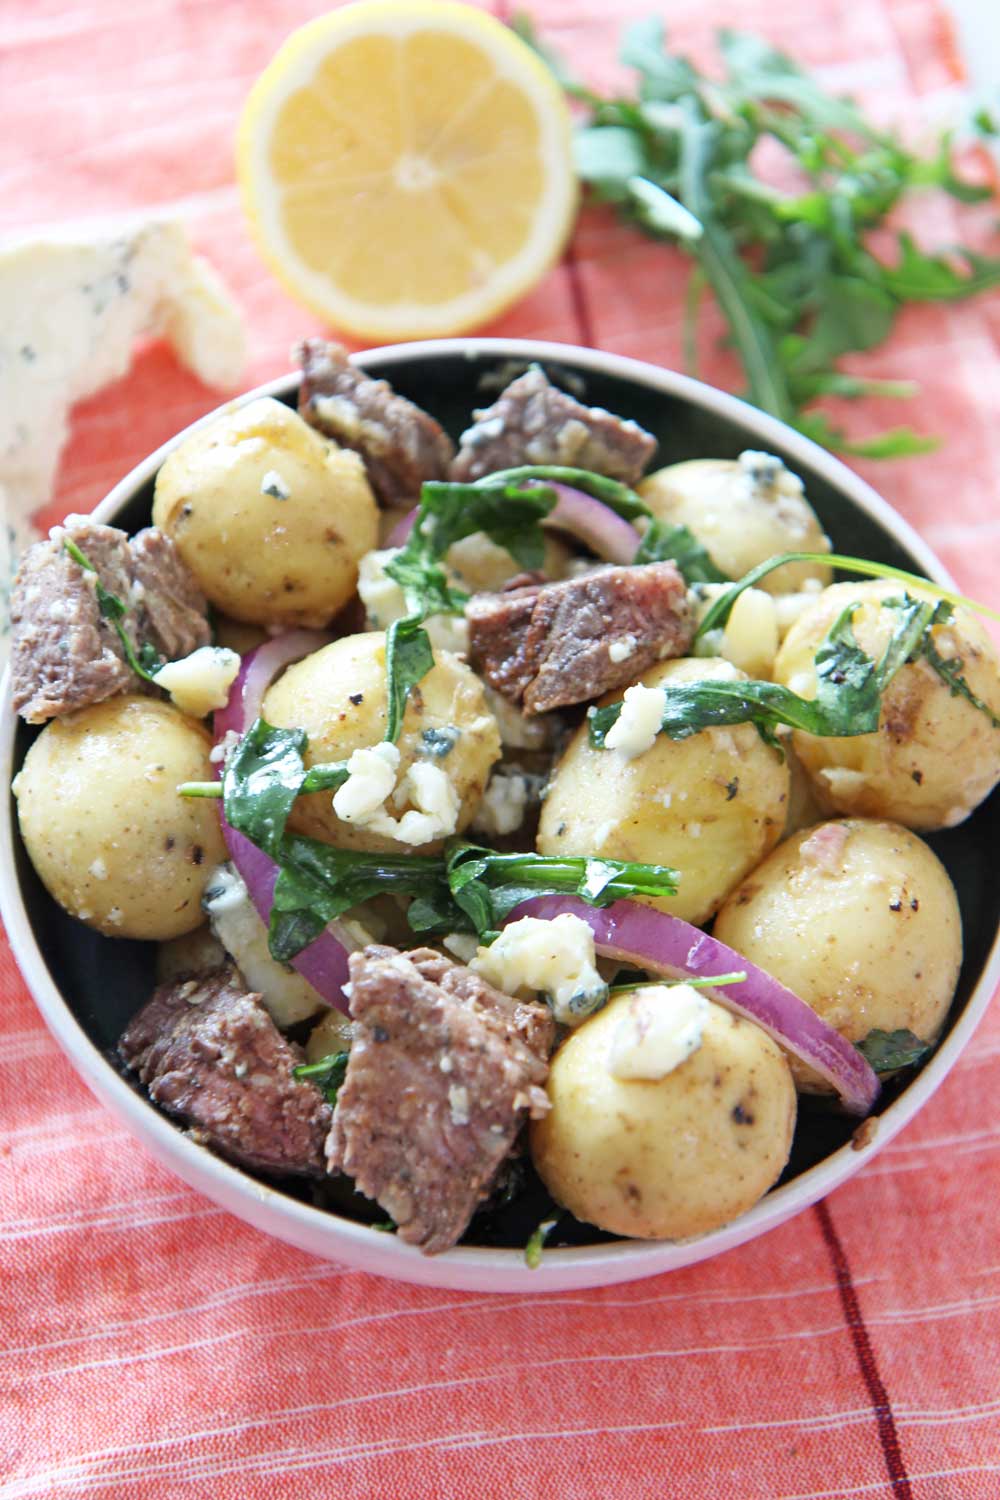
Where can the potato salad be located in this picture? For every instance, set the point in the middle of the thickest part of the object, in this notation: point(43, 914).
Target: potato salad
point(531, 836)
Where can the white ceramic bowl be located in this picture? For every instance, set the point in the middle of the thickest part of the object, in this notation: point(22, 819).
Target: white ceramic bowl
point(694, 420)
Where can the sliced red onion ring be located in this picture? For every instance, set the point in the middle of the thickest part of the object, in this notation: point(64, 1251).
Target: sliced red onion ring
point(324, 962)
point(257, 671)
point(667, 945)
point(607, 534)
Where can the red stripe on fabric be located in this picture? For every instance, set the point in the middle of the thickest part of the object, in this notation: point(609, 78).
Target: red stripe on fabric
point(865, 1355)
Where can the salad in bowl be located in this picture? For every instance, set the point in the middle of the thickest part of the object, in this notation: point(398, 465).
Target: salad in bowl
point(517, 831)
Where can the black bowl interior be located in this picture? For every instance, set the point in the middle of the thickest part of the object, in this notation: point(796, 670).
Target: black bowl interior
point(104, 981)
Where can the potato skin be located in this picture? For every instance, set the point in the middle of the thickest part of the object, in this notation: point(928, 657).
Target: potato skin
point(261, 559)
point(935, 756)
point(739, 527)
point(861, 920)
point(674, 1157)
point(107, 831)
point(711, 806)
point(317, 695)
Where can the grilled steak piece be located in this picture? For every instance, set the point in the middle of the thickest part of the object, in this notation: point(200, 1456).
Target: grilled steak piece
point(443, 1072)
point(63, 654)
point(554, 644)
point(401, 445)
point(533, 422)
point(169, 604)
point(209, 1053)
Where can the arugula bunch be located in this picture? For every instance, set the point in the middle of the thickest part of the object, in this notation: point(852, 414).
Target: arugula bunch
point(790, 270)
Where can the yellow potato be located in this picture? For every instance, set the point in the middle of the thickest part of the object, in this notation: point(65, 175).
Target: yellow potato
point(711, 805)
point(671, 1157)
point(740, 523)
point(106, 829)
point(338, 696)
point(331, 1034)
point(483, 567)
point(270, 517)
point(935, 756)
point(861, 920)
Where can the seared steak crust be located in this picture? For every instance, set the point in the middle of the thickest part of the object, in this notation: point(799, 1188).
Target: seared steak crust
point(64, 655)
point(533, 422)
point(209, 1053)
point(442, 1073)
point(554, 644)
point(401, 445)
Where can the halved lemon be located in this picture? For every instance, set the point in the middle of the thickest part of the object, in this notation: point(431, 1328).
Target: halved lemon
point(406, 167)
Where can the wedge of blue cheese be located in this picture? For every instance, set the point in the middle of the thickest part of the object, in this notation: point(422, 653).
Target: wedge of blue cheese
point(71, 309)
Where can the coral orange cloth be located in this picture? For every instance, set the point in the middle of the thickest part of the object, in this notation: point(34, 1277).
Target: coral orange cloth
point(152, 1346)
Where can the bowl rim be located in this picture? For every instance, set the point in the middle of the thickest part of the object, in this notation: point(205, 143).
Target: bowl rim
point(468, 1267)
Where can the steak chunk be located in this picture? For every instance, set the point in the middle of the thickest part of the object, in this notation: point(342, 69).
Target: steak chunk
point(533, 422)
point(169, 604)
point(401, 445)
point(443, 1072)
point(64, 655)
point(209, 1053)
point(554, 644)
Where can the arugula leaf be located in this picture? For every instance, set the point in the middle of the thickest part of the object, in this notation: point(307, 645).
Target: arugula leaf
point(487, 886)
point(536, 1242)
point(317, 883)
point(408, 659)
point(262, 779)
point(328, 1074)
point(934, 278)
point(147, 662)
point(662, 542)
point(949, 669)
point(848, 690)
point(886, 1051)
point(721, 609)
point(611, 492)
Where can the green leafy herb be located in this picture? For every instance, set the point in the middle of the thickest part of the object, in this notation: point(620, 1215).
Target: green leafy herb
point(721, 609)
point(486, 886)
point(317, 883)
point(328, 1074)
point(848, 698)
point(793, 272)
point(712, 981)
point(536, 1242)
point(262, 779)
point(888, 1050)
point(144, 663)
point(408, 659)
point(662, 542)
point(949, 669)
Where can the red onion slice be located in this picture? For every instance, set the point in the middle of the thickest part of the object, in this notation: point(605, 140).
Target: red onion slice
point(607, 534)
point(324, 962)
point(258, 670)
point(667, 945)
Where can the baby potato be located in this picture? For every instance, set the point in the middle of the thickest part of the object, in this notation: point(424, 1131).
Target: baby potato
point(104, 824)
point(671, 1157)
point(338, 696)
point(331, 1034)
point(743, 511)
point(191, 953)
point(861, 920)
point(934, 756)
point(711, 806)
point(271, 518)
